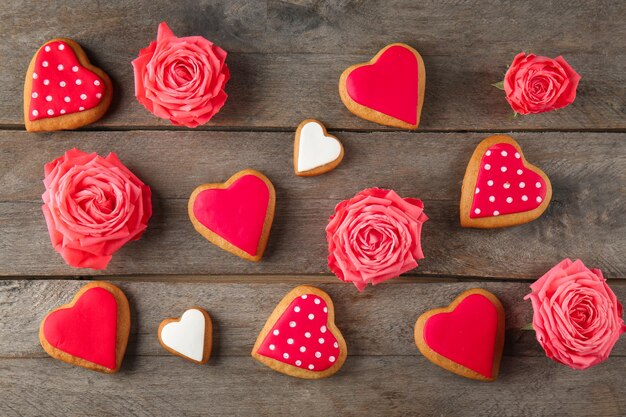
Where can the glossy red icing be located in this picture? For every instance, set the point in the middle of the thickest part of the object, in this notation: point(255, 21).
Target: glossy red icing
point(389, 85)
point(88, 330)
point(236, 213)
point(61, 85)
point(466, 335)
point(504, 185)
point(300, 337)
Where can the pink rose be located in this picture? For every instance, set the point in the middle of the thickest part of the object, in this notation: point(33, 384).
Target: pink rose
point(181, 79)
point(577, 316)
point(93, 206)
point(537, 84)
point(374, 236)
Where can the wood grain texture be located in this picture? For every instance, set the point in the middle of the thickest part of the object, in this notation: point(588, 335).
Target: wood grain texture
point(377, 322)
point(377, 386)
point(286, 56)
point(285, 59)
point(584, 220)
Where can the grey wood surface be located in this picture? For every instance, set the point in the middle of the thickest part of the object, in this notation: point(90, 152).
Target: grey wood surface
point(585, 218)
point(285, 58)
point(378, 322)
point(366, 385)
point(384, 373)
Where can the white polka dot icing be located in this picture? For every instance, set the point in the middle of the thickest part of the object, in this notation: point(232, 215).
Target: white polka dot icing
point(54, 86)
point(307, 345)
point(502, 171)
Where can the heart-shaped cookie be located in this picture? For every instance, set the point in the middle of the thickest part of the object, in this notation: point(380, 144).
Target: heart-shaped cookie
point(189, 336)
point(315, 151)
point(387, 90)
point(501, 188)
point(467, 337)
point(63, 90)
point(91, 331)
point(300, 337)
point(236, 215)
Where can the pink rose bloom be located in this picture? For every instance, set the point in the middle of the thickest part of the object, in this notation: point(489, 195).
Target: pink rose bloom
point(537, 84)
point(375, 236)
point(577, 316)
point(93, 206)
point(181, 79)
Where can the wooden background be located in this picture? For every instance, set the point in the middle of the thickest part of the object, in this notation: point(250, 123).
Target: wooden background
point(285, 58)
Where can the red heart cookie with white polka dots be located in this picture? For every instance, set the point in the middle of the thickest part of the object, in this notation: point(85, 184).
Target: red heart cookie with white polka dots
point(63, 90)
point(300, 337)
point(501, 188)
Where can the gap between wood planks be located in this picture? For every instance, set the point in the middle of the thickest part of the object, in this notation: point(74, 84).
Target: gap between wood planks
point(273, 129)
point(165, 354)
point(279, 279)
point(276, 279)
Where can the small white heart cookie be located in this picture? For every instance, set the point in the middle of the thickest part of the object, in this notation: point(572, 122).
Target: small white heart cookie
point(189, 337)
point(315, 151)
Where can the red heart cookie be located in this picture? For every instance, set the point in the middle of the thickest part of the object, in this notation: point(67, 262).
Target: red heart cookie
point(300, 337)
point(91, 331)
point(389, 89)
point(236, 215)
point(501, 188)
point(467, 337)
point(63, 90)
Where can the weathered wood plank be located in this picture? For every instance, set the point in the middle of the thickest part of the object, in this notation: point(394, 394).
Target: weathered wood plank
point(286, 57)
point(587, 170)
point(389, 386)
point(378, 322)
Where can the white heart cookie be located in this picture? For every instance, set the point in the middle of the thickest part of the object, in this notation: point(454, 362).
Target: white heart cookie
point(315, 151)
point(189, 337)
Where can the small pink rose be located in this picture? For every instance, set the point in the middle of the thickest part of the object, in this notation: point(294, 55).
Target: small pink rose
point(181, 79)
point(93, 206)
point(577, 318)
point(537, 84)
point(375, 236)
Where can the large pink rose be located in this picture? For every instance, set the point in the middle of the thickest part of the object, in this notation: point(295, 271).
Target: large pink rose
point(93, 206)
point(537, 84)
point(375, 236)
point(181, 79)
point(577, 316)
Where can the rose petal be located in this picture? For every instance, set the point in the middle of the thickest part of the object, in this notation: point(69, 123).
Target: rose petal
point(93, 206)
point(577, 318)
point(181, 79)
point(537, 84)
point(374, 236)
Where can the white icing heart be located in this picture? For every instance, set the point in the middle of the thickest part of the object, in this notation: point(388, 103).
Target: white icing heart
point(316, 149)
point(187, 335)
